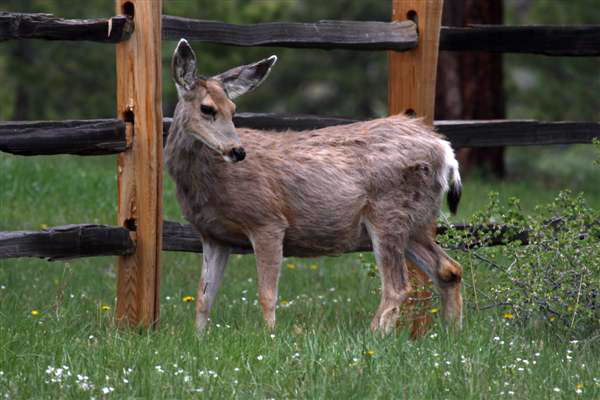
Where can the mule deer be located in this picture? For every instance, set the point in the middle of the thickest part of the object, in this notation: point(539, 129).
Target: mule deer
point(313, 193)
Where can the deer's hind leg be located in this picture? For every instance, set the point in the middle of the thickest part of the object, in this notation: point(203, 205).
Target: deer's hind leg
point(268, 248)
point(445, 273)
point(388, 240)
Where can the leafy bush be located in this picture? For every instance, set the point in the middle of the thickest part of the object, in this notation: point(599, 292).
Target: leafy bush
point(547, 271)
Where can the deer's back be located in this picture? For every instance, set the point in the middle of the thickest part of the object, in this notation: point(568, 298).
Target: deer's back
point(320, 184)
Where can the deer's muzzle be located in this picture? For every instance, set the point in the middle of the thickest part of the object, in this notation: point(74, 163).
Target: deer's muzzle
point(236, 154)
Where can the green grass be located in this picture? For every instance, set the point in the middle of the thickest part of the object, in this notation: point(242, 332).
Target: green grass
point(321, 348)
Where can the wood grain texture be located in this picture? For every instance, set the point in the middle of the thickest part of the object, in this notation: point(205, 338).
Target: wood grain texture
point(140, 167)
point(49, 27)
point(91, 240)
point(475, 133)
point(356, 35)
point(87, 137)
point(412, 74)
point(411, 90)
point(546, 40)
point(107, 136)
point(68, 241)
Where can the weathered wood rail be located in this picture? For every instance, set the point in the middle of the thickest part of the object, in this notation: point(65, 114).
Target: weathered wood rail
point(575, 41)
point(355, 35)
point(68, 241)
point(49, 27)
point(83, 137)
point(92, 240)
point(88, 240)
point(107, 136)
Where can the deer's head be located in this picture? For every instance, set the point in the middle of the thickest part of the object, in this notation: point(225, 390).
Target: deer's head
point(207, 107)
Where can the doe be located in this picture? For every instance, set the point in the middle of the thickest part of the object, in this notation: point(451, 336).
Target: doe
point(318, 192)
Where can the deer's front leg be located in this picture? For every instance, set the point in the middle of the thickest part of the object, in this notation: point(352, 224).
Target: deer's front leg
point(214, 261)
point(268, 248)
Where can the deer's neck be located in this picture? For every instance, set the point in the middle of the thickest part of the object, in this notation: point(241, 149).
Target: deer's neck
point(192, 165)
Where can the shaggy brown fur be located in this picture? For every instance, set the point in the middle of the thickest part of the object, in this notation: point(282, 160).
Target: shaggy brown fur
point(315, 193)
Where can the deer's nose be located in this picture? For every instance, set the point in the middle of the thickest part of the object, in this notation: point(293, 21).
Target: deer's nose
point(237, 154)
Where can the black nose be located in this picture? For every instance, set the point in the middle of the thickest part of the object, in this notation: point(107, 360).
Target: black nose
point(238, 154)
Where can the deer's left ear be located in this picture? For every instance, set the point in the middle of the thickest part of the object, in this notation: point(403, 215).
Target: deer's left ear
point(183, 66)
point(245, 78)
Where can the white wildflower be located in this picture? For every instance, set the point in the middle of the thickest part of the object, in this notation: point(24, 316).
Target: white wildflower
point(107, 390)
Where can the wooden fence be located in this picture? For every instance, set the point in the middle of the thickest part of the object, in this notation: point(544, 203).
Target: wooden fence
point(412, 39)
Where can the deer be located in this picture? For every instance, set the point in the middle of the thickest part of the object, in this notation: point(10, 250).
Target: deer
point(310, 193)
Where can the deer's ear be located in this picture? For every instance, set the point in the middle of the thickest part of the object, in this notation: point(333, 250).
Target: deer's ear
point(183, 66)
point(245, 78)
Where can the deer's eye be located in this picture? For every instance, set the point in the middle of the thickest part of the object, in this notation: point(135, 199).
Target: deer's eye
point(208, 110)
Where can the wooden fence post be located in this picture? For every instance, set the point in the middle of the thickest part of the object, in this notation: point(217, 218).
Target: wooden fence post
point(140, 166)
point(411, 90)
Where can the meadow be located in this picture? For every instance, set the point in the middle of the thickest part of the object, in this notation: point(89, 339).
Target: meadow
point(58, 338)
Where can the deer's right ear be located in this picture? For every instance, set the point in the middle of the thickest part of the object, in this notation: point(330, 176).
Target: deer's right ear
point(183, 66)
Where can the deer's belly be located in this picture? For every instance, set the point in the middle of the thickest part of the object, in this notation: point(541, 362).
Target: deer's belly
point(307, 235)
point(299, 241)
point(325, 239)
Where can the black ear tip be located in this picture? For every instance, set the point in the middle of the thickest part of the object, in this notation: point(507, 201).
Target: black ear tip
point(183, 48)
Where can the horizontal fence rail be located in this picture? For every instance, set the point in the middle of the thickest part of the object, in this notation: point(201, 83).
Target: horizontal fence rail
point(545, 40)
point(85, 137)
point(107, 136)
point(357, 35)
point(87, 240)
point(68, 241)
point(474, 133)
point(360, 35)
point(49, 27)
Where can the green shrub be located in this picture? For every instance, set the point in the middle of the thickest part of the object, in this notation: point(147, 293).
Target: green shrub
point(547, 270)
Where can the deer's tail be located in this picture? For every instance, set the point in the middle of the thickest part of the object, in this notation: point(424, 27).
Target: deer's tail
point(451, 178)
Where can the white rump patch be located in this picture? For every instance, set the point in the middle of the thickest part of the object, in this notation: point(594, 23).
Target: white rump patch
point(450, 169)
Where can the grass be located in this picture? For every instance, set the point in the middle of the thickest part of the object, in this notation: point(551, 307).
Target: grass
point(321, 348)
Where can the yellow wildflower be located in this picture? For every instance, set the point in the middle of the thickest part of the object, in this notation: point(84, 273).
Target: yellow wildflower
point(44, 226)
point(188, 299)
point(552, 318)
point(35, 312)
point(284, 302)
point(507, 315)
point(314, 267)
point(434, 310)
point(105, 307)
point(291, 266)
point(579, 386)
point(370, 353)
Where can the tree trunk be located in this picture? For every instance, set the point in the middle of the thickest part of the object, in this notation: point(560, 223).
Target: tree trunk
point(470, 84)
